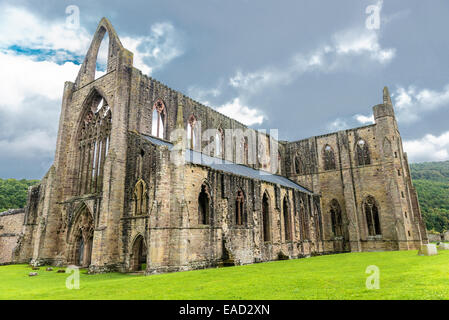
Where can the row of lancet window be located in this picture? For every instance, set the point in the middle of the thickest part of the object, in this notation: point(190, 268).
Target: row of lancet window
point(370, 210)
point(192, 135)
point(204, 206)
point(93, 145)
point(361, 151)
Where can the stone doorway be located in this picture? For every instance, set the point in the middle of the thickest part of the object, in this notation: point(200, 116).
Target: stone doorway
point(139, 255)
point(82, 236)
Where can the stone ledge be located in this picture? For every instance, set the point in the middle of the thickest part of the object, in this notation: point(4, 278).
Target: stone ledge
point(9, 235)
point(11, 212)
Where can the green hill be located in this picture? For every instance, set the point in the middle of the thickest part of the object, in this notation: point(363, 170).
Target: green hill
point(431, 180)
point(13, 193)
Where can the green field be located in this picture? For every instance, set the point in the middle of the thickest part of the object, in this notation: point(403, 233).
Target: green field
point(403, 275)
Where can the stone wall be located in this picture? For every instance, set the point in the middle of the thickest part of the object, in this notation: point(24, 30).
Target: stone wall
point(435, 237)
point(11, 223)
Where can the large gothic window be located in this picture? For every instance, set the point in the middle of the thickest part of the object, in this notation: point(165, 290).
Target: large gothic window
point(93, 145)
point(158, 121)
point(372, 216)
point(266, 218)
point(140, 198)
point(329, 158)
point(287, 221)
point(362, 153)
point(337, 222)
point(240, 216)
point(204, 205)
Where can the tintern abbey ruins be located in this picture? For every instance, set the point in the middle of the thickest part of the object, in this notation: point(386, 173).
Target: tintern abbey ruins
point(146, 179)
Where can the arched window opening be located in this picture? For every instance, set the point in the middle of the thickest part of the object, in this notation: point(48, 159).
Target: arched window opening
point(139, 254)
point(372, 217)
point(239, 150)
point(80, 251)
point(299, 165)
point(337, 222)
point(240, 214)
point(263, 153)
point(329, 158)
point(93, 145)
point(387, 149)
point(279, 164)
point(219, 142)
point(266, 218)
point(158, 120)
point(102, 57)
point(245, 151)
point(192, 129)
point(204, 205)
point(140, 198)
point(362, 153)
point(304, 222)
point(287, 221)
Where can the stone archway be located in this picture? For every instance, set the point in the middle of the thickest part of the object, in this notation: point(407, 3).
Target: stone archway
point(138, 254)
point(81, 239)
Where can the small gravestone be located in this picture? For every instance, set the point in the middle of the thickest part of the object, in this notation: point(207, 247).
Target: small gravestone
point(61, 271)
point(444, 246)
point(35, 268)
point(33, 274)
point(428, 250)
point(49, 269)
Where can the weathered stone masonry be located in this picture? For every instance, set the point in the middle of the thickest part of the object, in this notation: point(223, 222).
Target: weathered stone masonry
point(122, 196)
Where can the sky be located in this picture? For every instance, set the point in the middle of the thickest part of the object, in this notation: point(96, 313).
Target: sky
point(303, 67)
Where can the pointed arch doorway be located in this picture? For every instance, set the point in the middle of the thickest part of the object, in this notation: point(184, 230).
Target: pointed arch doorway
point(81, 238)
point(139, 254)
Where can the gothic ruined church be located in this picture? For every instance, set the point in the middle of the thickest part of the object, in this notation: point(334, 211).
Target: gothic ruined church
point(125, 193)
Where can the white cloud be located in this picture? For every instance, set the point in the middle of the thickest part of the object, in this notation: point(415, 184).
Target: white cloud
point(162, 45)
point(364, 119)
point(338, 124)
point(36, 57)
point(60, 43)
point(355, 42)
point(410, 102)
point(22, 28)
point(23, 78)
point(428, 148)
point(344, 46)
point(236, 110)
point(203, 95)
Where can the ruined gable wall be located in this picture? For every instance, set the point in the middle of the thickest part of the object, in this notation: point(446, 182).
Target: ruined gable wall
point(11, 223)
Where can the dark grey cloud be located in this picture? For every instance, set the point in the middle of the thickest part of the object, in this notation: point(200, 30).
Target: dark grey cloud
point(221, 38)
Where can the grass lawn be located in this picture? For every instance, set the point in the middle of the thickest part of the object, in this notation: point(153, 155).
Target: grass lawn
point(403, 275)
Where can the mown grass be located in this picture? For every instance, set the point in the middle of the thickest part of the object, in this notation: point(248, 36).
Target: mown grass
point(403, 275)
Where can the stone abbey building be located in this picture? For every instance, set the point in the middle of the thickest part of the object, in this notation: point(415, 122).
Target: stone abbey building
point(136, 185)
